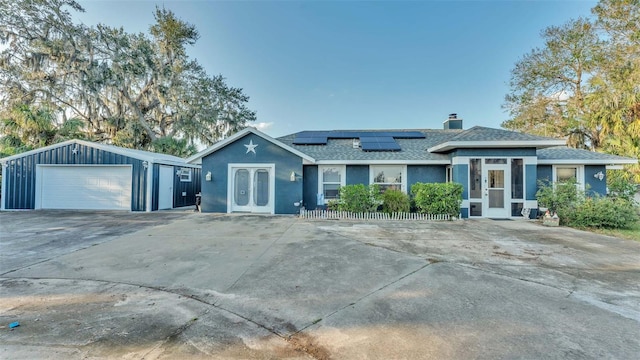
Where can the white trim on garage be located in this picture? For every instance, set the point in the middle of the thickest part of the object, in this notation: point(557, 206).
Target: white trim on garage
point(84, 187)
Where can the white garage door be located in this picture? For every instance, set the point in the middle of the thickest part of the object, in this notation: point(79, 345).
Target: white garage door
point(84, 187)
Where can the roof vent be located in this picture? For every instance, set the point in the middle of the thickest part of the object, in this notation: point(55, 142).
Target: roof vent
point(356, 143)
point(453, 116)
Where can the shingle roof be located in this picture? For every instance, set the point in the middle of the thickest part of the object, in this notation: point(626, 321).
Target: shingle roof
point(481, 133)
point(555, 154)
point(342, 149)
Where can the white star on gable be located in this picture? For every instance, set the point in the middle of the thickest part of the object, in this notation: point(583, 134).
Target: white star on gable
point(251, 147)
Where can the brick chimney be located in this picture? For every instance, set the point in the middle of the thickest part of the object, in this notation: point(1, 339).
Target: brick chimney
point(453, 122)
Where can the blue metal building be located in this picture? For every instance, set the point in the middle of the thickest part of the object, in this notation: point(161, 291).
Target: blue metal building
point(79, 174)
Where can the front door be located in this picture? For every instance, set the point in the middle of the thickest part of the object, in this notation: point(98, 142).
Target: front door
point(496, 190)
point(251, 189)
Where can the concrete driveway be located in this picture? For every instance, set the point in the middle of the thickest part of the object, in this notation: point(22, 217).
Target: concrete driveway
point(264, 287)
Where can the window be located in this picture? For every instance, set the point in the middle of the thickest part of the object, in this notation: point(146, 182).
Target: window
point(185, 175)
point(449, 173)
point(388, 176)
point(475, 178)
point(517, 186)
point(566, 173)
point(563, 173)
point(517, 179)
point(330, 180)
point(495, 161)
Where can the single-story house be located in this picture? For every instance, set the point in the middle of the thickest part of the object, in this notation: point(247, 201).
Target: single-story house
point(79, 174)
point(499, 169)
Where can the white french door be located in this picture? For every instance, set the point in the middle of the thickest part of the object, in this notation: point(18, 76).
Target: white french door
point(251, 188)
point(496, 191)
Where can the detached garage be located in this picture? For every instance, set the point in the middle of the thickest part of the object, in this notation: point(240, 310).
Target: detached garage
point(81, 175)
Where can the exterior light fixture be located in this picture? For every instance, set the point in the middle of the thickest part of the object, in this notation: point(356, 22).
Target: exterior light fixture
point(208, 176)
point(145, 164)
point(293, 176)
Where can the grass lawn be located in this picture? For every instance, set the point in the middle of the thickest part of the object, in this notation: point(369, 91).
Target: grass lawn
point(631, 234)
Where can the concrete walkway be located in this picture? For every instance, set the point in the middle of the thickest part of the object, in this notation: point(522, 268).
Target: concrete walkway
point(265, 287)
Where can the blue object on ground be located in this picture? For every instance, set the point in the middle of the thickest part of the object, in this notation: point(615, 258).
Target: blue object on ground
point(14, 325)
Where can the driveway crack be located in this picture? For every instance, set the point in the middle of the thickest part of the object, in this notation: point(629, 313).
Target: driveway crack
point(368, 295)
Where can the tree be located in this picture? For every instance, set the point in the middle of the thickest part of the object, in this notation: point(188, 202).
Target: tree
point(615, 99)
point(547, 86)
point(583, 84)
point(126, 89)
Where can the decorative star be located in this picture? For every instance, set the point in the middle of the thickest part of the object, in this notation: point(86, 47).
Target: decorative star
point(251, 147)
point(75, 150)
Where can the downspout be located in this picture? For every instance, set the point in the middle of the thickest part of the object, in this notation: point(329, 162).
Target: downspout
point(149, 203)
point(3, 195)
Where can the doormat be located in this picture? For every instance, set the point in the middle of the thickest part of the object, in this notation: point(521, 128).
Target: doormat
point(496, 219)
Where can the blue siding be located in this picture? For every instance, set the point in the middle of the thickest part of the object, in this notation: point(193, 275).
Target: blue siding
point(530, 182)
point(592, 185)
point(425, 174)
point(495, 152)
point(190, 188)
point(214, 192)
point(21, 173)
point(310, 191)
point(544, 174)
point(357, 174)
point(461, 176)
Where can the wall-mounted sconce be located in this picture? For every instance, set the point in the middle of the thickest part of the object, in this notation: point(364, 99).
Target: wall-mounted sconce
point(145, 164)
point(294, 176)
point(599, 175)
point(208, 176)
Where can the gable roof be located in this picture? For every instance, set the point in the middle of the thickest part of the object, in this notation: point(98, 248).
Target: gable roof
point(565, 155)
point(484, 137)
point(197, 158)
point(149, 156)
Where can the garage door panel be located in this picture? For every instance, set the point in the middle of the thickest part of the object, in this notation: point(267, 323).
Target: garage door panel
point(86, 187)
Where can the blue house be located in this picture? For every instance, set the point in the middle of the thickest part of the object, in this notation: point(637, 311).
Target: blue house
point(82, 175)
point(499, 169)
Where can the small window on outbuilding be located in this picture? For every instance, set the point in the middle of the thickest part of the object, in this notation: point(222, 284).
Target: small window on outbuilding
point(185, 175)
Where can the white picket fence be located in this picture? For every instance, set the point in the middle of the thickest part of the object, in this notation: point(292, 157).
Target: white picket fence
point(344, 215)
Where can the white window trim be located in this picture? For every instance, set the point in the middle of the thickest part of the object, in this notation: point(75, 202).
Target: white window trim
point(185, 171)
point(403, 184)
point(343, 178)
point(579, 174)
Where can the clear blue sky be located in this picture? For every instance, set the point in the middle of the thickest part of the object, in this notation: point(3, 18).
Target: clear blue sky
point(315, 65)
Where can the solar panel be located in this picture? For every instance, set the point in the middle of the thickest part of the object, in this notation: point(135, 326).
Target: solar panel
point(379, 143)
point(383, 140)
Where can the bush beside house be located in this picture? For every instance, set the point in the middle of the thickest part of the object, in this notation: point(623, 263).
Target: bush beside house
point(437, 198)
point(428, 198)
point(618, 210)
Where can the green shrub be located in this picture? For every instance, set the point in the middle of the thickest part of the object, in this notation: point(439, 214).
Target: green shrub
point(437, 198)
point(557, 197)
point(620, 188)
point(394, 201)
point(358, 198)
point(577, 210)
point(602, 212)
